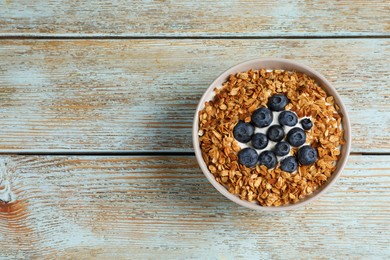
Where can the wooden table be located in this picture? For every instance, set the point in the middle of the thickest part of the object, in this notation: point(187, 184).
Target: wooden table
point(96, 105)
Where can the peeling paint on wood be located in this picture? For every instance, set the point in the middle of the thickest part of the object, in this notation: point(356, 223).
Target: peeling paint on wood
point(140, 95)
point(194, 18)
point(6, 174)
point(122, 207)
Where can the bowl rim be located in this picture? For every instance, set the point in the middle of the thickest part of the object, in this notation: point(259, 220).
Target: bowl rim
point(299, 67)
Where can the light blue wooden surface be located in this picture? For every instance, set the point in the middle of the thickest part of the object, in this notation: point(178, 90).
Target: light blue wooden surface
point(140, 95)
point(125, 85)
point(247, 18)
point(149, 207)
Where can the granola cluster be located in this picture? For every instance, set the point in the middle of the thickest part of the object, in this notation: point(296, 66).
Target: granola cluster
point(239, 96)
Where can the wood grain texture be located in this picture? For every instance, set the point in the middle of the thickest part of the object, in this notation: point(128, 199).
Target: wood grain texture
point(141, 95)
point(194, 18)
point(136, 207)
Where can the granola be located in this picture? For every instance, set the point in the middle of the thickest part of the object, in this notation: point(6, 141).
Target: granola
point(242, 94)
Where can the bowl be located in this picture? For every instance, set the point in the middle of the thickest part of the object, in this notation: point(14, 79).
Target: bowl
point(280, 64)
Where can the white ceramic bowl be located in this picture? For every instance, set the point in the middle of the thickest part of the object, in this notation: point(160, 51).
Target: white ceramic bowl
point(282, 64)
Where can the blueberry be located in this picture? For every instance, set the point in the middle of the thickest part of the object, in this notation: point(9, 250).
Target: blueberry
point(296, 137)
point(307, 155)
point(243, 132)
point(277, 102)
point(288, 118)
point(275, 133)
point(248, 157)
point(289, 164)
point(268, 159)
point(306, 124)
point(282, 149)
point(259, 141)
point(262, 117)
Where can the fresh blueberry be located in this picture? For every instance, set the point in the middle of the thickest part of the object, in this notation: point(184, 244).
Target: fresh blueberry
point(248, 157)
point(268, 159)
point(306, 124)
point(296, 137)
point(307, 155)
point(289, 164)
point(277, 102)
point(282, 149)
point(288, 118)
point(259, 141)
point(275, 133)
point(262, 117)
point(243, 132)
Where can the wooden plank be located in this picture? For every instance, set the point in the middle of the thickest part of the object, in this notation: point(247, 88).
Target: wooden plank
point(140, 95)
point(153, 207)
point(194, 18)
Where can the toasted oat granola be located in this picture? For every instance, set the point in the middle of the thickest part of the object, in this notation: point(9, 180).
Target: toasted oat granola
point(239, 96)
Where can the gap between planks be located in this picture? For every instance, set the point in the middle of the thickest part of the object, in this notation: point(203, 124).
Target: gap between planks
point(130, 153)
point(178, 37)
point(96, 153)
